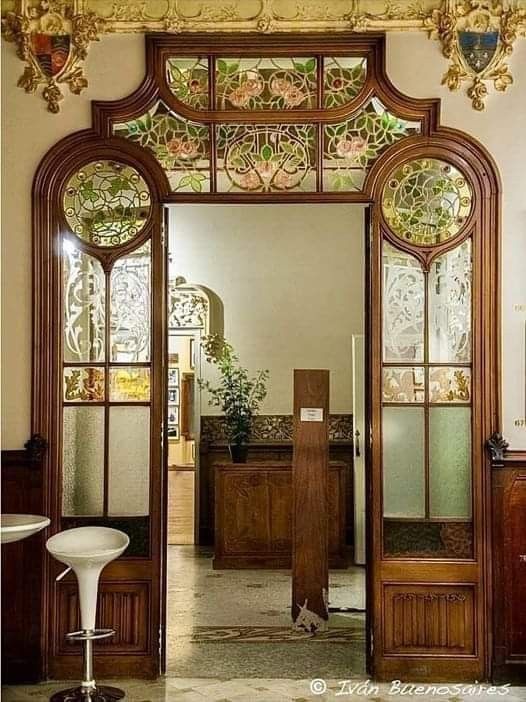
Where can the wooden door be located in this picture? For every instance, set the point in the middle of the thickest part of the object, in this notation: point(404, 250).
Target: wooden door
point(429, 389)
point(105, 331)
point(360, 440)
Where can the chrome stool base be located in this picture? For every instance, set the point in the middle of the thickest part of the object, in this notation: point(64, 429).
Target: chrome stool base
point(100, 693)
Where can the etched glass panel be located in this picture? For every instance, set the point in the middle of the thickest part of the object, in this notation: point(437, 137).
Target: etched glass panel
point(350, 147)
point(129, 461)
point(450, 462)
point(403, 306)
point(266, 83)
point(450, 384)
point(106, 203)
point(403, 461)
point(83, 461)
point(450, 306)
point(188, 81)
point(84, 299)
point(404, 385)
point(129, 384)
point(181, 147)
point(343, 78)
point(131, 307)
point(426, 201)
point(266, 158)
point(83, 384)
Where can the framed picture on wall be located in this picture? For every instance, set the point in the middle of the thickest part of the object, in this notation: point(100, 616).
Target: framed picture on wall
point(173, 414)
point(173, 377)
point(173, 431)
point(192, 354)
point(173, 396)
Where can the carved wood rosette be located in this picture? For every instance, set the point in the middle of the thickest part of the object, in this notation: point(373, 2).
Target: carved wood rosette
point(52, 38)
point(477, 36)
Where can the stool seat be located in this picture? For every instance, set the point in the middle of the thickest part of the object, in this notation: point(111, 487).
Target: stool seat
point(85, 546)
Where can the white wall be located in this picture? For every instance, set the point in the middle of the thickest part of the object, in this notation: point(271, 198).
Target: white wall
point(291, 281)
point(115, 67)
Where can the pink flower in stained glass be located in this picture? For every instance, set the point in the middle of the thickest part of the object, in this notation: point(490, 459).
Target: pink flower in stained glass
point(196, 86)
point(280, 86)
point(351, 147)
point(284, 180)
point(239, 97)
point(266, 169)
point(253, 86)
point(249, 181)
point(182, 148)
point(294, 97)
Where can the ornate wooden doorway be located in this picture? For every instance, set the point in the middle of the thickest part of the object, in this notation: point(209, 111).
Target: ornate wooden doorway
point(291, 118)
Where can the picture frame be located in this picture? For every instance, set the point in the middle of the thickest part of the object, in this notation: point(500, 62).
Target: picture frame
point(173, 432)
point(173, 396)
point(192, 354)
point(173, 377)
point(173, 414)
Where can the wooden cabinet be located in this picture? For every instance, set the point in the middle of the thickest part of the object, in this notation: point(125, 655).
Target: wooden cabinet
point(253, 515)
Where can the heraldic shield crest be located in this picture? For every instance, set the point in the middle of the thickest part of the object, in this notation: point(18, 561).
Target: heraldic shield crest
point(51, 51)
point(478, 48)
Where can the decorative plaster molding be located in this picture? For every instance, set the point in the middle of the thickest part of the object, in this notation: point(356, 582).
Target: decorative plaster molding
point(477, 36)
point(52, 38)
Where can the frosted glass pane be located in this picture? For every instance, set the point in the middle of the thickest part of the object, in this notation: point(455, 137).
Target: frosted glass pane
point(450, 306)
point(450, 461)
point(403, 461)
point(83, 461)
point(404, 385)
point(403, 306)
point(129, 461)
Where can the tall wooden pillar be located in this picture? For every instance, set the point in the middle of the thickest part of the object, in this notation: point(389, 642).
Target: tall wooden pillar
point(310, 553)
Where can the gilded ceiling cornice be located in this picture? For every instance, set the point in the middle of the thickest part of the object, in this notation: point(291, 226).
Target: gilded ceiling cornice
point(52, 36)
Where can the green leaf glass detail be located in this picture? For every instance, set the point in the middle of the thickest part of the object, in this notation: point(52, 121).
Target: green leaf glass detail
point(266, 83)
point(426, 201)
point(343, 78)
point(188, 81)
point(181, 147)
point(266, 158)
point(106, 203)
point(351, 147)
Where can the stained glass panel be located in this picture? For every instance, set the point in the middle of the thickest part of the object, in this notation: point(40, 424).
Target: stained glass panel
point(188, 81)
point(449, 291)
point(404, 385)
point(266, 158)
point(84, 299)
point(266, 83)
point(131, 307)
point(426, 201)
point(350, 147)
point(449, 384)
point(403, 306)
point(106, 203)
point(129, 384)
point(83, 384)
point(83, 461)
point(180, 146)
point(343, 78)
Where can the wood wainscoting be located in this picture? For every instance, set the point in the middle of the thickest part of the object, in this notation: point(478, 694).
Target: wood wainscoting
point(22, 569)
point(509, 566)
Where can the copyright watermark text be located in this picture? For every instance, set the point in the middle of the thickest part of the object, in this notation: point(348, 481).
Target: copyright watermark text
point(397, 688)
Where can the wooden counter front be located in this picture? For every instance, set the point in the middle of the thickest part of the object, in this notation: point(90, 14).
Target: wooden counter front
point(253, 515)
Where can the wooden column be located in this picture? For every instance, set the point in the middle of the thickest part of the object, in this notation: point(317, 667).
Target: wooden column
point(310, 553)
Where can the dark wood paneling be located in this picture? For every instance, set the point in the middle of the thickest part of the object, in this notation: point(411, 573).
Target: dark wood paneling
point(254, 515)
point(310, 511)
point(22, 569)
point(509, 572)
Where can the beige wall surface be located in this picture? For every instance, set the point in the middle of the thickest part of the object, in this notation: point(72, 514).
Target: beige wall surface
point(290, 278)
point(115, 66)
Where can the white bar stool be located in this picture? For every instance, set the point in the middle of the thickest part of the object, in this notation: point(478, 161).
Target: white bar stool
point(86, 551)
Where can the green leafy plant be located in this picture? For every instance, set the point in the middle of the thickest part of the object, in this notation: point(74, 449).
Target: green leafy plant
point(238, 395)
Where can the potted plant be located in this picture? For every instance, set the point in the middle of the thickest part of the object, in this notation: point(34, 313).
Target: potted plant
point(238, 395)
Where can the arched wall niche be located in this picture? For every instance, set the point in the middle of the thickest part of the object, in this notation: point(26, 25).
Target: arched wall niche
point(461, 585)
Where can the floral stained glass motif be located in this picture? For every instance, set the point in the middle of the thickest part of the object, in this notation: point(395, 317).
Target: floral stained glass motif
point(188, 81)
point(350, 147)
point(450, 384)
point(343, 78)
point(266, 83)
point(129, 384)
point(84, 287)
point(449, 292)
point(83, 384)
point(106, 203)
point(130, 301)
point(426, 201)
point(404, 385)
point(180, 146)
point(403, 306)
point(266, 158)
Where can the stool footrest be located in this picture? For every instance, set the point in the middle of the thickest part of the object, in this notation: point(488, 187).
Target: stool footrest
point(90, 634)
point(101, 693)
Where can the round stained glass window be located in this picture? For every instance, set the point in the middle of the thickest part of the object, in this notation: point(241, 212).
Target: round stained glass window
point(426, 201)
point(106, 203)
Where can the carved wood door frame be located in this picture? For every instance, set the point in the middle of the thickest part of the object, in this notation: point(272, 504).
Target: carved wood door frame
point(141, 578)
